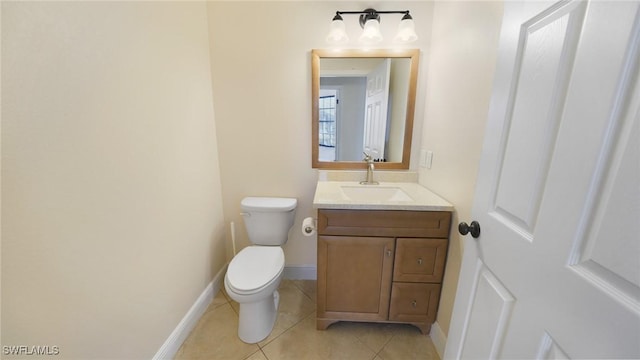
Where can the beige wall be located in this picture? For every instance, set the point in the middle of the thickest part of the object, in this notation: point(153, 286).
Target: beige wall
point(461, 66)
point(112, 220)
point(261, 71)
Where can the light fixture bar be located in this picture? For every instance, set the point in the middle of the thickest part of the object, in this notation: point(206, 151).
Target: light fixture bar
point(371, 29)
point(367, 11)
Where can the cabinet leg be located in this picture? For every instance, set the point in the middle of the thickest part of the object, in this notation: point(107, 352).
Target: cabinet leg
point(424, 327)
point(323, 324)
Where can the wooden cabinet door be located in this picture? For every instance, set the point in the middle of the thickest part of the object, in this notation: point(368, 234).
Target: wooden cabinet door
point(354, 277)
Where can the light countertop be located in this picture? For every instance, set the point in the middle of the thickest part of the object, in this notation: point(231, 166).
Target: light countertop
point(385, 196)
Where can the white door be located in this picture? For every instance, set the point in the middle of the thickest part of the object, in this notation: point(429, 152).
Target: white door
point(376, 104)
point(555, 272)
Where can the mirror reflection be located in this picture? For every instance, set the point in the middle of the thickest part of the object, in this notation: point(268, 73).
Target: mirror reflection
point(363, 102)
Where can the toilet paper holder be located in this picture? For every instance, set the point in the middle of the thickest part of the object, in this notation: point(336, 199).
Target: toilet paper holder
point(309, 225)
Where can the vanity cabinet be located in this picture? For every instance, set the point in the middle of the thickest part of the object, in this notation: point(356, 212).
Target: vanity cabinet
point(380, 265)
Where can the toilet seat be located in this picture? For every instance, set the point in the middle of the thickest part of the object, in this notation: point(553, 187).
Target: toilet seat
point(254, 268)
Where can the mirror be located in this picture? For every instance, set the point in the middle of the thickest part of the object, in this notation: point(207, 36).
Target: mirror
point(363, 101)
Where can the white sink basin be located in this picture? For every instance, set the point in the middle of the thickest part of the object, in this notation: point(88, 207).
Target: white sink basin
point(375, 193)
point(385, 196)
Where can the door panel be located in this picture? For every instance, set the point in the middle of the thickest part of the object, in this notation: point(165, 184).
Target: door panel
point(545, 55)
point(550, 350)
point(376, 106)
point(490, 310)
point(606, 252)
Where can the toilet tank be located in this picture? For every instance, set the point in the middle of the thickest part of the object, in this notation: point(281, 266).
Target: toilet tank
point(268, 219)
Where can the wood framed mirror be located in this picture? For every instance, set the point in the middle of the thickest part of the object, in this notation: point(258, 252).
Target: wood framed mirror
point(363, 101)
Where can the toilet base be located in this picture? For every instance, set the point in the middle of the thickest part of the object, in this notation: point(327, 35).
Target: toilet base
point(257, 318)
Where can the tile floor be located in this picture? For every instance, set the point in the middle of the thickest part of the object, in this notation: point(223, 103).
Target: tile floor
point(295, 336)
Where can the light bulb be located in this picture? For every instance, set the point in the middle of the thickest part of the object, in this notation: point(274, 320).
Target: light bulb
point(406, 30)
point(371, 32)
point(337, 31)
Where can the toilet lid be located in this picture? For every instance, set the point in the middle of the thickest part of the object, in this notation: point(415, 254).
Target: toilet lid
point(268, 204)
point(254, 267)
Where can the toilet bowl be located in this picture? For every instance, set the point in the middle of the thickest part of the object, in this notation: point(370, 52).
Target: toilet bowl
point(252, 280)
point(254, 274)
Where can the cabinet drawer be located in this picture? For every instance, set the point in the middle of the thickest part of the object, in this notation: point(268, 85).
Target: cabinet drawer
point(420, 260)
point(395, 223)
point(412, 302)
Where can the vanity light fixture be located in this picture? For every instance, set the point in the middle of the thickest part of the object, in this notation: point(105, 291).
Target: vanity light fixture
point(370, 23)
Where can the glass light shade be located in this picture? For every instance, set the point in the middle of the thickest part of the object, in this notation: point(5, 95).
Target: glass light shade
point(337, 33)
point(371, 32)
point(406, 32)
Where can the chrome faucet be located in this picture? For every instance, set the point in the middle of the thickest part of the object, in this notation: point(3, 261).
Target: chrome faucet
point(370, 168)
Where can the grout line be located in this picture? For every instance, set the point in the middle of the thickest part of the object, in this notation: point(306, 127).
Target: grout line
point(286, 330)
point(294, 324)
point(302, 290)
point(261, 347)
point(253, 353)
point(229, 301)
point(384, 346)
point(366, 347)
point(263, 354)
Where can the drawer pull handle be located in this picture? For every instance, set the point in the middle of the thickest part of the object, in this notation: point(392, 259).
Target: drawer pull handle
point(420, 261)
point(414, 304)
point(388, 252)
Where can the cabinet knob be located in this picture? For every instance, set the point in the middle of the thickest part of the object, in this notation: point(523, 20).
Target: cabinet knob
point(414, 304)
point(388, 252)
point(420, 261)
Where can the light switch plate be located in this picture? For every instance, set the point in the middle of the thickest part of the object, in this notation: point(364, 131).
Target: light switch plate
point(429, 159)
point(423, 158)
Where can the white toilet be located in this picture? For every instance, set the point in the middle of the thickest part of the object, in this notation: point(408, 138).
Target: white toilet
point(255, 273)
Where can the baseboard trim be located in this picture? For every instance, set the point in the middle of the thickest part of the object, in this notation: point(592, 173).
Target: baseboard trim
point(300, 272)
point(171, 346)
point(439, 339)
